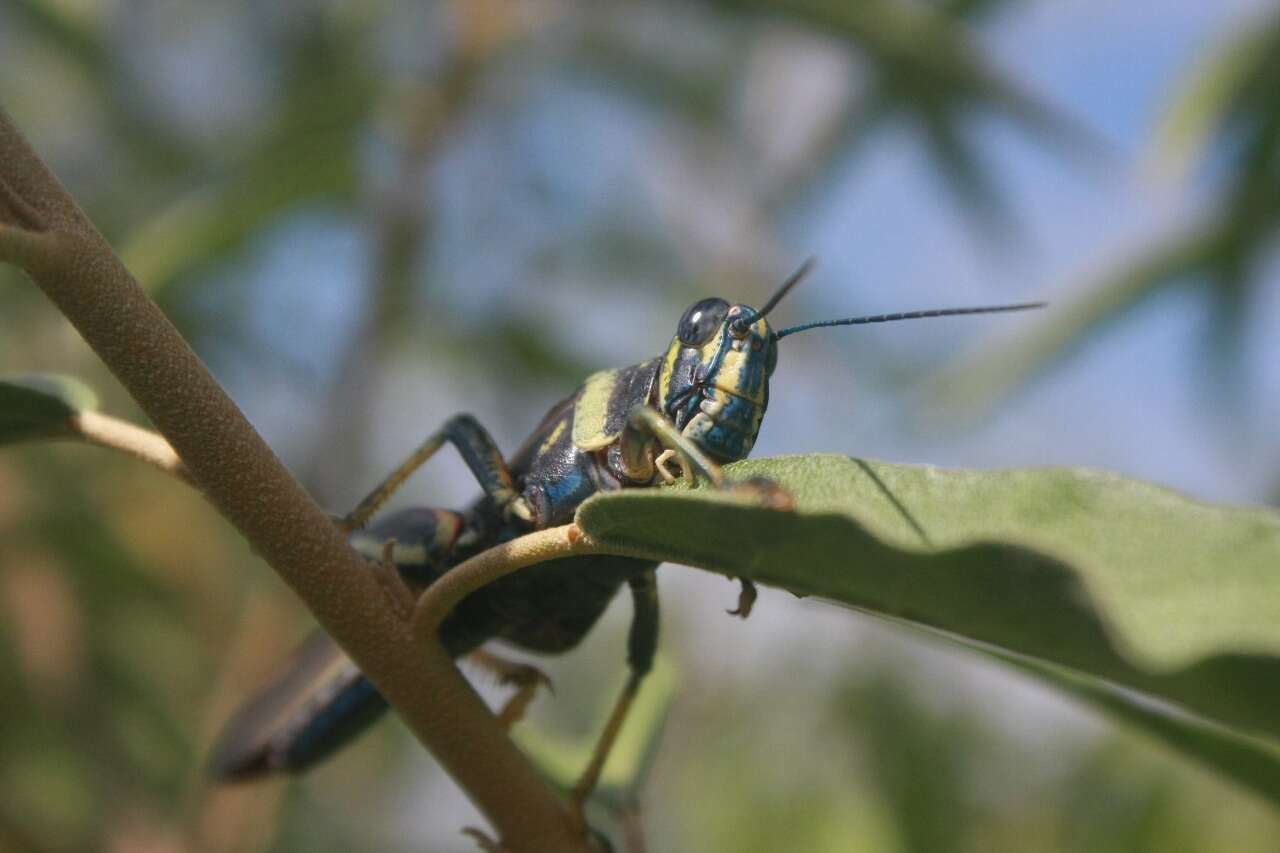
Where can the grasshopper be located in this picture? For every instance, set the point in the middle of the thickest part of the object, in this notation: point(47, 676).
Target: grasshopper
point(683, 414)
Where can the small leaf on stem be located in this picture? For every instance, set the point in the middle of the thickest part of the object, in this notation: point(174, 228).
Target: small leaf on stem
point(41, 406)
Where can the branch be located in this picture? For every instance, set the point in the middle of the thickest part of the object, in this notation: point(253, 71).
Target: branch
point(150, 447)
point(484, 568)
point(244, 480)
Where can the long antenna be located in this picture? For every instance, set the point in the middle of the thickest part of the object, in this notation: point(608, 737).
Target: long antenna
point(796, 277)
point(908, 315)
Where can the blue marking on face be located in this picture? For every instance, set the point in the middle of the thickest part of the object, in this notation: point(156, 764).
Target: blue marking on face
point(715, 378)
point(733, 433)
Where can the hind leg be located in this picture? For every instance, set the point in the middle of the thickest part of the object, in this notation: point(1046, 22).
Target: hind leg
point(642, 643)
point(320, 701)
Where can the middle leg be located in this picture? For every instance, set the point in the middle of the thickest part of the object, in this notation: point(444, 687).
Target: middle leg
point(478, 450)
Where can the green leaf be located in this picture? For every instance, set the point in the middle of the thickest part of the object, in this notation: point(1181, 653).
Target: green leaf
point(1118, 591)
point(41, 406)
point(1253, 762)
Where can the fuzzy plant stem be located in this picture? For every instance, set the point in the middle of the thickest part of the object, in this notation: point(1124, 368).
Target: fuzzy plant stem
point(44, 232)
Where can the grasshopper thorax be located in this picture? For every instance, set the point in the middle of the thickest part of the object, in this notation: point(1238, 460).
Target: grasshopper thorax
point(714, 380)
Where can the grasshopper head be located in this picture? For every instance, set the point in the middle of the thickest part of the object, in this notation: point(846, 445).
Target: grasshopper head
point(714, 380)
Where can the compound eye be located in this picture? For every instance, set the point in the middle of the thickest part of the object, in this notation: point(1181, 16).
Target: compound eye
point(700, 322)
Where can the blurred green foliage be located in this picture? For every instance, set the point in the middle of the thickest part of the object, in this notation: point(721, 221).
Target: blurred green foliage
point(1228, 116)
point(197, 137)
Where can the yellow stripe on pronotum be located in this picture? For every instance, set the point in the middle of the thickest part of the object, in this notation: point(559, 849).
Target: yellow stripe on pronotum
point(591, 411)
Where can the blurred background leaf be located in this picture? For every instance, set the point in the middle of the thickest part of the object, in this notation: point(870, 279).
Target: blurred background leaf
point(1227, 112)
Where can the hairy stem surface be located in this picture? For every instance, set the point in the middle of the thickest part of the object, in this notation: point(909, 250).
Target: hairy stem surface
point(43, 231)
